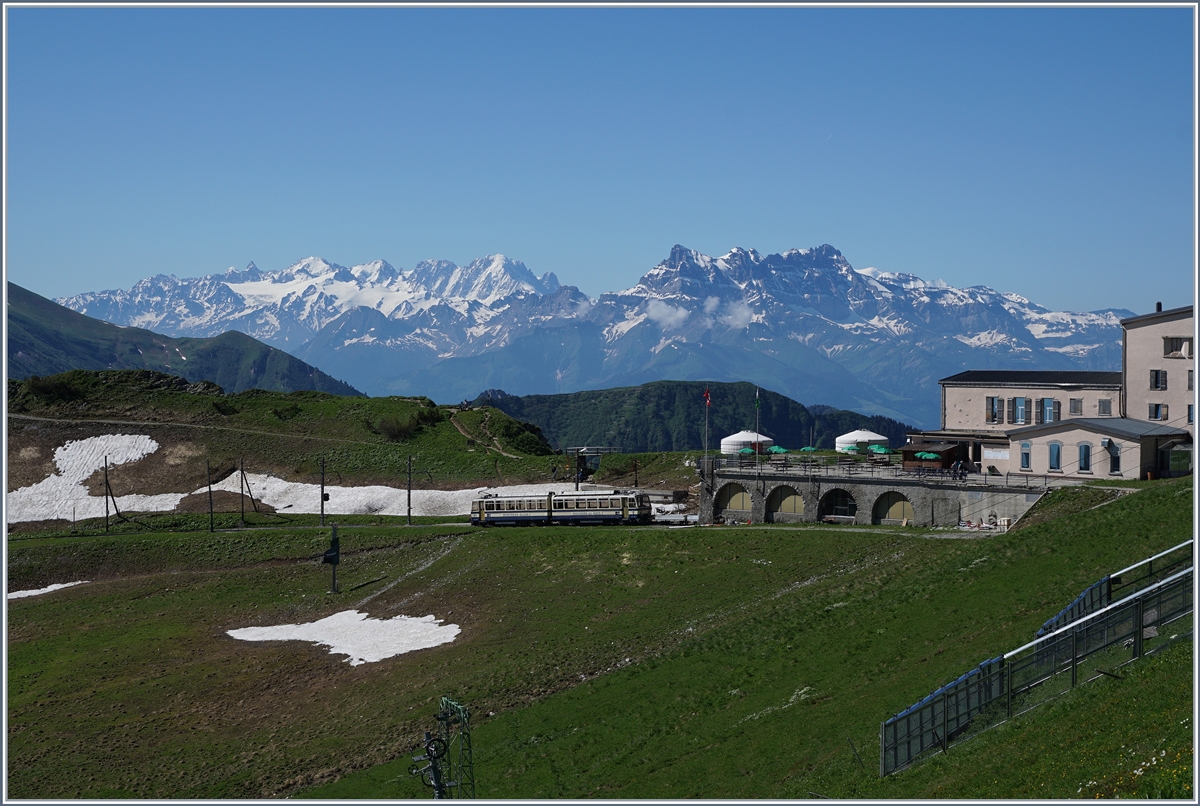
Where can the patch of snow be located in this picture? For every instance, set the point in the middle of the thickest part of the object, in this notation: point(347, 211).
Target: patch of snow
point(63, 496)
point(47, 589)
point(987, 338)
point(363, 639)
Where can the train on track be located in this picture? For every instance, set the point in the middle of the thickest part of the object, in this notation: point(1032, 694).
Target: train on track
point(570, 509)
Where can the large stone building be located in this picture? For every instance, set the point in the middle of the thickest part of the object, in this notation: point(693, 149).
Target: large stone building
point(1136, 423)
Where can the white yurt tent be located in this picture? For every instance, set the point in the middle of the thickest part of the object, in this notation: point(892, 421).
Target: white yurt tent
point(849, 442)
point(746, 439)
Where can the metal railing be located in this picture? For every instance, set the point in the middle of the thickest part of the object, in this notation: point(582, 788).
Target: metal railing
point(871, 470)
point(1121, 584)
point(1006, 686)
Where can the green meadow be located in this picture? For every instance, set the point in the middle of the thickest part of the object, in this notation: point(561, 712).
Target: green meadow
point(619, 662)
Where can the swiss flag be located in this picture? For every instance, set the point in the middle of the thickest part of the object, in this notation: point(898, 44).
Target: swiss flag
point(707, 399)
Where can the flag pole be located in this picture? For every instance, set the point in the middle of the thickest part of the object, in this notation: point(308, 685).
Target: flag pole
point(757, 438)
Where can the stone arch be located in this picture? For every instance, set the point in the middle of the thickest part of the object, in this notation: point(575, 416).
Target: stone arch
point(784, 505)
point(892, 506)
point(733, 500)
point(837, 502)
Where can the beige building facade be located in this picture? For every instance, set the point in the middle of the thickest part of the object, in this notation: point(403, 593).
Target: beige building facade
point(1158, 356)
point(1136, 423)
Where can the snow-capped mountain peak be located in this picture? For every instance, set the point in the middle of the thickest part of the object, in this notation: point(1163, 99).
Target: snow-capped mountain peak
point(877, 338)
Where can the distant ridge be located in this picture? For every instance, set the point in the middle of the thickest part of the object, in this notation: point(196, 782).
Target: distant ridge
point(45, 338)
point(669, 416)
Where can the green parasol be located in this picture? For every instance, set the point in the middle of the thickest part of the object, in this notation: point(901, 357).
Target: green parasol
point(926, 455)
point(777, 449)
point(746, 450)
point(879, 449)
point(808, 449)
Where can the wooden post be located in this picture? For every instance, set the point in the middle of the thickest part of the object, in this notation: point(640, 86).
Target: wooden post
point(106, 493)
point(410, 490)
point(322, 490)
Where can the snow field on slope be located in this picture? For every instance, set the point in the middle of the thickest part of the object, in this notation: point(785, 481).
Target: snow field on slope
point(47, 589)
point(63, 495)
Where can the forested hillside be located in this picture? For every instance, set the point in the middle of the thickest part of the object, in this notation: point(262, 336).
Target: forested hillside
point(669, 416)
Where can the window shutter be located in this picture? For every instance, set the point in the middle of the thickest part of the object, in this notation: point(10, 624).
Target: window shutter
point(1162, 381)
point(1057, 410)
point(1028, 406)
point(1151, 416)
point(1164, 412)
point(1153, 379)
point(1037, 413)
point(987, 409)
point(1012, 409)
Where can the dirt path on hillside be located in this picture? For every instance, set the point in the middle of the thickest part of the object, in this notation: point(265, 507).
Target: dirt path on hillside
point(161, 424)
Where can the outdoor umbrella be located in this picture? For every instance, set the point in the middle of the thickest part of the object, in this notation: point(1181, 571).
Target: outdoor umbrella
point(926, 455)
point(746, 450)
point(808, 448)
point(879, 449)
point(776, 449)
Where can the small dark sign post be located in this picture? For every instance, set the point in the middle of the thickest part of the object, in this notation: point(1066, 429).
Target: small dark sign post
point(333, 556)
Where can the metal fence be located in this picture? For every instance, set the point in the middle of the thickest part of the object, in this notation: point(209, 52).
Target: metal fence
point(1001, 688)
point(884, 470)
point(1121, 584)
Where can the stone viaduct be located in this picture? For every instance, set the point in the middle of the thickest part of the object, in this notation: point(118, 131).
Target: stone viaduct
point(789, 495)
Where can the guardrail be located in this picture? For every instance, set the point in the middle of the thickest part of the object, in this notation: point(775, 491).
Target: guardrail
point(1003, 687)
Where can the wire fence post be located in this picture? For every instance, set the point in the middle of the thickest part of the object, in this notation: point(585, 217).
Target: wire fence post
point(1074, 656)
point(1137, 627)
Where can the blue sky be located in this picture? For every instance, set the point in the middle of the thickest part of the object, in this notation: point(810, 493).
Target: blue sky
point(1043, 151)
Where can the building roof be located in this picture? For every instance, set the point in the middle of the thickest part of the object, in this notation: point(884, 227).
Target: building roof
point(1147, 318)
point(1034, 377)
point(1106, 426)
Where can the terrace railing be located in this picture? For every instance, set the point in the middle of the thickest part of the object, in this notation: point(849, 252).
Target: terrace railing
point(1088, 646)
point(882, 470)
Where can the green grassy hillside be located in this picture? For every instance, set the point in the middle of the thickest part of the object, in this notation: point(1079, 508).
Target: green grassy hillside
point(45, 338)
point(669, 416)
point(362, 440)
point(632, 662)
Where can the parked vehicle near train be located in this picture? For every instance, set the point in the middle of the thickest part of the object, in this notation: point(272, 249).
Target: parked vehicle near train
point(571, 508)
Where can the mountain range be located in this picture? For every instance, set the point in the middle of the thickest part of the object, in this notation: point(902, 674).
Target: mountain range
point(804, 323)
point(45, 338)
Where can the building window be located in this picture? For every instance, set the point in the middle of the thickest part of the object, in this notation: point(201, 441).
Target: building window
point(1158, 379)
point(1189, 380)
point(1048, 410)
point(1158, 411)
point(1076, 406)
point(1104, 407)
point(1056, 456)
point(1177, 347)
point(1191, 412)
point(1026, 453)
point(992, 410)
point(1085, 458)
point(1114, 458)
point(1017, 411)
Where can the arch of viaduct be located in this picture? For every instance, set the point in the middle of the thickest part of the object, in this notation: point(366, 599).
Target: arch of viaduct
point(733, 495)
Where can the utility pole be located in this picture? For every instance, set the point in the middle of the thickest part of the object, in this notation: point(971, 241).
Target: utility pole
point(106, 494)
point(241, 494)
point(333, 555)
point(208, 478)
